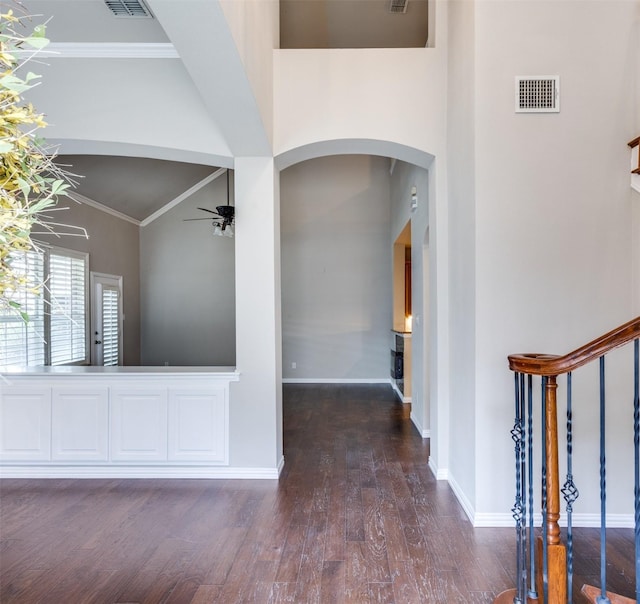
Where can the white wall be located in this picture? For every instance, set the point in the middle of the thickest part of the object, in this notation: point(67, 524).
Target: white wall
point(255, 26)
point(336, 279)
point(635, 195)
point(461, 176)
point(553, 214)
point(395, 95)
point(187, 285)
point(149, 103)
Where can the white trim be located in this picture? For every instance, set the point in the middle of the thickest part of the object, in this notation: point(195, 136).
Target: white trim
point(424, 433)
point(280, 466)
point(109, 50)
point(483, 520)
point(440, 474)
point(190, 191)
point(502, 520)
point(402, 397)
point(462, 499)
point(132, 471)
point(335, 381)
point(98, 206)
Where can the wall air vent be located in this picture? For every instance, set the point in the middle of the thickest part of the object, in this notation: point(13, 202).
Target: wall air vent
point(398, 6)
point(537, 94)
point(128, 8)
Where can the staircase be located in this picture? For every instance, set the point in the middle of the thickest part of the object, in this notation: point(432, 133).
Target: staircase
point(545, 564)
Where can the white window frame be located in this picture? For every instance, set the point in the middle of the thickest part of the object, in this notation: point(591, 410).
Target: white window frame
point(49, 306)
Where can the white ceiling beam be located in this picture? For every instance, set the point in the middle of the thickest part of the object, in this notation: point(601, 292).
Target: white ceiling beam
point(200, 33)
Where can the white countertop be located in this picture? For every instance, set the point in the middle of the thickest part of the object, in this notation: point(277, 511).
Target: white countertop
point(86, 370)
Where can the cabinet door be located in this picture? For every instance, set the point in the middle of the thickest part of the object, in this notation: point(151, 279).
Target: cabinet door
point(138, 425)
point(198, 426)
point(25, 424)
point(80, 424)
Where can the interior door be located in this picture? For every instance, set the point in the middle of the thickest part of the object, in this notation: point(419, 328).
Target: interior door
point(106, 319)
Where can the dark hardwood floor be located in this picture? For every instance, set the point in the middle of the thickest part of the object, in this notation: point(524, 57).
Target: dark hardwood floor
point(356, 517)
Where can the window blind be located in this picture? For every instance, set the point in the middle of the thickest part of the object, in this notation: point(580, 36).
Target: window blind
point(55, 302)
point(67, 289)
point(110, 333)
point(22, 343)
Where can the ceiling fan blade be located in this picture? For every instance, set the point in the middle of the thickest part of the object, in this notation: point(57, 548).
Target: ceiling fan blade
point(188, 219)
point(211, 211)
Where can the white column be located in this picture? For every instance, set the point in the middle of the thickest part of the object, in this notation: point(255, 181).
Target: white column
point(256, 400)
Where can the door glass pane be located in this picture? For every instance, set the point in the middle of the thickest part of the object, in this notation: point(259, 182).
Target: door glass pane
point(110, 336)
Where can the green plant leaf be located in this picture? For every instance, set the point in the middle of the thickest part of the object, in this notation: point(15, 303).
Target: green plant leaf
point(14, 84)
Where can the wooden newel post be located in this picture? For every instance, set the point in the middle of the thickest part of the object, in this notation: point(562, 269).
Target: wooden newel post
point(556, 551)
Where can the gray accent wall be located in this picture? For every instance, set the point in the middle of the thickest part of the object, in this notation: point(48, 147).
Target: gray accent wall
point(113, 248)
point(187, 286)
point(336, 271)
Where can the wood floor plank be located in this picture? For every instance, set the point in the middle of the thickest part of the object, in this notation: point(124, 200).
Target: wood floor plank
point(356, 517)
point(356, 583)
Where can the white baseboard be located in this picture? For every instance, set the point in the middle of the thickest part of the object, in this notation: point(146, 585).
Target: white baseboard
point(462, 499)
point(439, 473)
point(336, 380)
point(490, 520)
point(140, 472)
point(280, 466)
point(424, 433)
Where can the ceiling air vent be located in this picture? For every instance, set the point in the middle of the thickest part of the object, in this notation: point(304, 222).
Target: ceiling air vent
point(128, 8)
point(537, 94)
point(398, 6)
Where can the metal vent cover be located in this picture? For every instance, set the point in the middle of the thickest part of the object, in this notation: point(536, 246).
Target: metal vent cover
point(398, 6)
point(128, 8)
point(537, 94)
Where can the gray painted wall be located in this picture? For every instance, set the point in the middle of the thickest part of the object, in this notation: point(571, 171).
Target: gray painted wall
point(187, 286)
point(336, 270)
point(113, 248)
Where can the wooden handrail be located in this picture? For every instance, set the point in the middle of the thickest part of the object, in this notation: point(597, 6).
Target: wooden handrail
point(635, 143)
point(546, 364)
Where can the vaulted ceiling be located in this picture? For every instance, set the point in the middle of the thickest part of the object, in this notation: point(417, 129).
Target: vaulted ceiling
point(138, 187)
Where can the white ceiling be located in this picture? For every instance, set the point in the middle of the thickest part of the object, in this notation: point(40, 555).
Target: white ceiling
point(137, 187)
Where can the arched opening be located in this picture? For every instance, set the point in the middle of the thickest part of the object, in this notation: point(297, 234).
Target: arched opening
point(333, 356)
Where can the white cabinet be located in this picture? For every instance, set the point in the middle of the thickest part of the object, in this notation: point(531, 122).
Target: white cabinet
point(198, 426)
point(79, 424)
point(125, 422)
point(138, 424)
point(25, 424)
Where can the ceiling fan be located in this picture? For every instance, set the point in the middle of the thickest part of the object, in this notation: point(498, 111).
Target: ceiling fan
point(223, 217)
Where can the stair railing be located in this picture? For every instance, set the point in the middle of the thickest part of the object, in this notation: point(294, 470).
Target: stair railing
point(545, 565)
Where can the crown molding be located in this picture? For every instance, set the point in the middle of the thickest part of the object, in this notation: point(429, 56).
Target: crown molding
point(109, 50)
point(174, 202)
point(98, 206)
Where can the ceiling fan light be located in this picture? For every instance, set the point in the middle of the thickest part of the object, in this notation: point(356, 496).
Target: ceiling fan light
point(217, 230)
point(228, 231)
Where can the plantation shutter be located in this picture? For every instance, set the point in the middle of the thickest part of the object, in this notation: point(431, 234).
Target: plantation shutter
point(110, 323)
point(67, 287)
point(22, 342)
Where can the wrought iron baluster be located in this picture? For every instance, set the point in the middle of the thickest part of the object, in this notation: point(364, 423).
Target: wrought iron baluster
point(636, 445)
point(517, 509)
point(533, 592)
point(545, 528)
point(523, 473)
point(602, 598)
point(569, 491)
